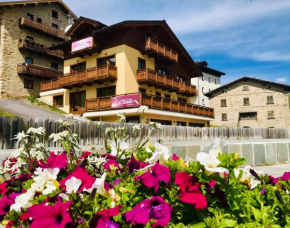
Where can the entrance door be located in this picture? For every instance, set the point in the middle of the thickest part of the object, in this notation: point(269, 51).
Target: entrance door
point(77, 102)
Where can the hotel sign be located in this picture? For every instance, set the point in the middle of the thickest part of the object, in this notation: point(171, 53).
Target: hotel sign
point(82, 44)
point(126, 101)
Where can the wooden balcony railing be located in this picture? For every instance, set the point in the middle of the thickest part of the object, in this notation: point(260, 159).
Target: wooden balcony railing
point(152, 77)
point(88, 76)
point(39, 48)
point(154, 102)
point(154, 45)
point(35, 70)
point(48, 30)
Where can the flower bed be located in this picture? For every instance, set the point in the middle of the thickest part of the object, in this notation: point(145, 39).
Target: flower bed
point(134, 185)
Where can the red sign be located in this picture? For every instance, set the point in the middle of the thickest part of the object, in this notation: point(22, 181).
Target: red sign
point(125, 101)
point(82, 44)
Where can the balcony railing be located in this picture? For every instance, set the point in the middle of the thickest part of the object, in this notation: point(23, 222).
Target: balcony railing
point(153, 102)
point(35, 70)
point(161, 49)
point(39, 48)
point(78, 78)
point(152, 78)
point(48, 30)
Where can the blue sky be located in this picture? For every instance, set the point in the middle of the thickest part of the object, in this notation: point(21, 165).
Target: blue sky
point(238, 37)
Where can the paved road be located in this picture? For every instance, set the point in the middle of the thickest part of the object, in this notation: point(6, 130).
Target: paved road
point(18, 108)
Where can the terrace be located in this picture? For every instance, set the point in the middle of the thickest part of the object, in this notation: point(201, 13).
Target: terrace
point(154, 102)
point(35, 70)
point(25, 22)
point(85, 77)
point(165, 82)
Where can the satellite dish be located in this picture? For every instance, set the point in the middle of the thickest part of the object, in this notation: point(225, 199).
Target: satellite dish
point(67, 28)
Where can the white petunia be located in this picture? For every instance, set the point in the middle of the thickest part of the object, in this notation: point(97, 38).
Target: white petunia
point(247, 177)
point(122, 146)
point(161, 154)
point(22, 201)
point(72, 185)
point(99, 185)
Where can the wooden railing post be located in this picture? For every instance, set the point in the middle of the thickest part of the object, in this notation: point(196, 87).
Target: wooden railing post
point(108, 70)
point(161, 103)
point(156, 75)
point(178, 106)
point(141, 100)
point(151, 102)
point(157, 47)
point(170, 104)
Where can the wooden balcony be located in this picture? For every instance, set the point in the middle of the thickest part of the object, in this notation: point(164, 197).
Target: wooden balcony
point(165, 82)
point(154, 102)
point(154, 49)
point(25, 22)
point(39, 48)
point(35, 70)
point(79, 78)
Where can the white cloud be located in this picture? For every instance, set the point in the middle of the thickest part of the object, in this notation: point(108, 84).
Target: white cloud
point(281, 80)
point(271, 56)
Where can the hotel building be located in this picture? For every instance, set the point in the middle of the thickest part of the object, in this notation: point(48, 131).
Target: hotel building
point(118, 68)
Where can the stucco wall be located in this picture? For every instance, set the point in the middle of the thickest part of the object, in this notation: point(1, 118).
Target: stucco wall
point(257, 95)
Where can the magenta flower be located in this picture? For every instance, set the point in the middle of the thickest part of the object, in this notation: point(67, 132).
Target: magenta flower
point(56, 160)
point(56, 216)
point(155, 208)
point(134, 165)
point(6, 202)
point(109, 163)
point(81, 174)
point(83, 156)
point(190, 190)
point(175, 157)
point(3, 188)
point(151, 179)
point(103, 218)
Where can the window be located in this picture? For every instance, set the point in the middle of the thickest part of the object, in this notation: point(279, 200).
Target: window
point(215, 82)
point(209, 79)
point(270, 100)
point(105, 92)
point(54, 66)
point(223, 103)
point(30, 16)
point(202, 101)
point(141, 90)
point(30, 38)
point(224, 117)
point(271, 115)
point(54, 14)
point(29, 60)
point(133, 119)
point(163, 71)
point(248, 116)
point(167, 96)
point(202, 78)
point(39, 20)
point(158, 94)
point(202, 89)
point(246, 101)
point(111, 60)
point(58, 101)
point(55, 26)
point(28, 84)
point(141, 64)
point(78, 67)
point(246, 88)
point(180, 78)
point(181, 99)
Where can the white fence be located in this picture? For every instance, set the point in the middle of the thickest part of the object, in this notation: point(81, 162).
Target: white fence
point(89, 134)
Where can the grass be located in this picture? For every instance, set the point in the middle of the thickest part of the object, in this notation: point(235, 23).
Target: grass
point(43, 105)
point(6, 114)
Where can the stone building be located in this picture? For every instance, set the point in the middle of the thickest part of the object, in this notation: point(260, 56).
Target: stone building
point(210, 80)
point(251, 103)
point(26, 29)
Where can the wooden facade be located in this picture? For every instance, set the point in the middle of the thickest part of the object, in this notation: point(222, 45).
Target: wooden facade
point(35, 70)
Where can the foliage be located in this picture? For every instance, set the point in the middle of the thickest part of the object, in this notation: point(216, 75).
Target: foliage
point(135, 185)
point(43, 105)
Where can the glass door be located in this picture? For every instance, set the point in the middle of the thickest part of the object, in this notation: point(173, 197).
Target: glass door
point(77, 102)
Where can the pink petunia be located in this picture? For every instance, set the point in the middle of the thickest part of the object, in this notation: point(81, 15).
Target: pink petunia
point(109, 163)
point(56, 160)
point(3, 188)
point(134, 165)
point(151, 179)
point(6, 202)
point(175, 157)
point(190, 190)
point(81, 174)
point(103, 218)
point(56, 216)
point(83, 156)
point(155, 208)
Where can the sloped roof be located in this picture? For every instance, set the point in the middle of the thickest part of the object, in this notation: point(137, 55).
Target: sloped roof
point(203, 66)
point(245, 78)
point(13, 3)
point(163, 23)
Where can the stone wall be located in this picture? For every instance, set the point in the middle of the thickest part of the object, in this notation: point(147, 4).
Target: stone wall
point(11, 84)
point(257, 93)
